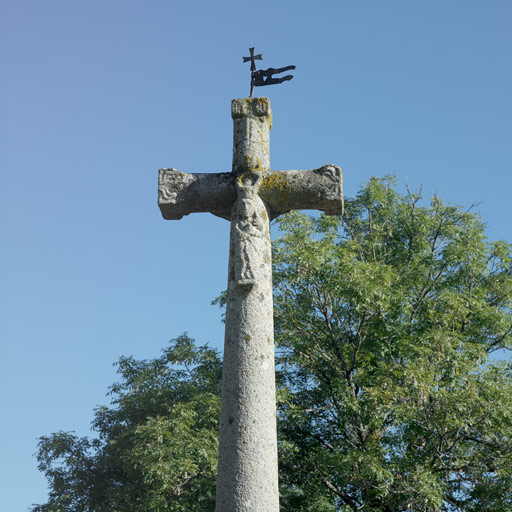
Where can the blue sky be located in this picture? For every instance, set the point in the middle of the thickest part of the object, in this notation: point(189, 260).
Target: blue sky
point(95, 96)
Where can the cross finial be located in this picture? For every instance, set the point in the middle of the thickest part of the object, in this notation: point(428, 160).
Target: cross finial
point(252, 58)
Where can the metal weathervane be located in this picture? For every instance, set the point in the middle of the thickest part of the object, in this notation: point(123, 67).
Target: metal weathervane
point(264, 76)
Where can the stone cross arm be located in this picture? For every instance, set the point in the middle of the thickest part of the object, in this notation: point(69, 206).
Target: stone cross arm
point(282, 191)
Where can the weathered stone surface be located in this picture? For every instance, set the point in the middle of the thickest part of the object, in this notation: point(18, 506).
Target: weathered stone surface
point(252, 121)
point(181, 193)
point(250, 196)
point(247, 478)
point(319, 189)
point(247, 470)
point(282, 191)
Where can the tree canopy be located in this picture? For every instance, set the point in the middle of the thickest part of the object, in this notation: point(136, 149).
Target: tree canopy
point(156, 445)
point(394, 390)
point(388, 319)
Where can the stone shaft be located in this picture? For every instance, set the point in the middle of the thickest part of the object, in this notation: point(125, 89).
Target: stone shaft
point(252, 121)
point(247, 469)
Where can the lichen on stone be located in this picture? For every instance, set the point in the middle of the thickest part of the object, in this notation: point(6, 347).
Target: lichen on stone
point(275, 181)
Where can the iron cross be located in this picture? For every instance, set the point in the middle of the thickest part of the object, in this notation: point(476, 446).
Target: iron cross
point(252, 58)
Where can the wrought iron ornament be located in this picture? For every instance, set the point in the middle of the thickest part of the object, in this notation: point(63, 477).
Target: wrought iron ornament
point(262, 77)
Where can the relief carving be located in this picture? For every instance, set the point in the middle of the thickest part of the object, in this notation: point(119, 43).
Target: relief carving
point(250, 226)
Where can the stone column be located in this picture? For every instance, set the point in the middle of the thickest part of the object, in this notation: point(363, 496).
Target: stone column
point(247, 470)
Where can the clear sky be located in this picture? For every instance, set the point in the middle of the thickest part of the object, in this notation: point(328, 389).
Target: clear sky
point(96, 95)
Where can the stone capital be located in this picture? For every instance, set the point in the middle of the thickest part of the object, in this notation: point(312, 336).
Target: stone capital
point(250, 107)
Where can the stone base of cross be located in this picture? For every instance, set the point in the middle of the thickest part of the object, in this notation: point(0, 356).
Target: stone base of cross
point(249, 196)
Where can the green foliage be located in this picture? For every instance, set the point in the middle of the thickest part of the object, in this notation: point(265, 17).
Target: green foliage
point(386, 320)
point(392, 397)
point(157, 444)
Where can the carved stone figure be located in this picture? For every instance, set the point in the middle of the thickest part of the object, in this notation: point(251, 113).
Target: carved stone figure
point(249, 214)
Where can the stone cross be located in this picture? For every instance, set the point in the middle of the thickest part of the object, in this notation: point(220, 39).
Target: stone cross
point(249, 196)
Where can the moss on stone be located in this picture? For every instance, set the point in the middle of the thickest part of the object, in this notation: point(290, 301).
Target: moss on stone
point(275, 181)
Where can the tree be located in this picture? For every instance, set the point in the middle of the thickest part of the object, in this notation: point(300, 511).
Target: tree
point(157, 444)
point(387, 320)
point(390, 323)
